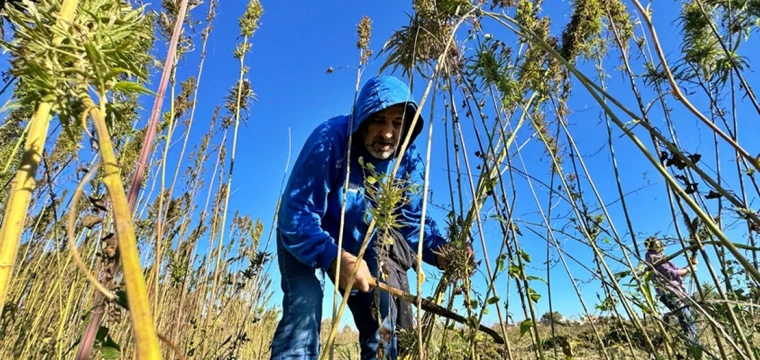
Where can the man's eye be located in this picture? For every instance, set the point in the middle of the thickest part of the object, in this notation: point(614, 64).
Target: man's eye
point(397, 123)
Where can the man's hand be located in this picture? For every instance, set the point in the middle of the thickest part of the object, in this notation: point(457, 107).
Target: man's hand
point(347, 263)
point(443, 261)
point(693, 261)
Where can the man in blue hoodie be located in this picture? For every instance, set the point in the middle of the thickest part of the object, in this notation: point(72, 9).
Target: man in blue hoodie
point(310, 217)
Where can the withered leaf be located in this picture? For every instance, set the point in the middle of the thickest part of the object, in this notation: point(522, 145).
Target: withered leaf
point(90, 221)
point(98, 203)
point(712, 195)
point(664, 156)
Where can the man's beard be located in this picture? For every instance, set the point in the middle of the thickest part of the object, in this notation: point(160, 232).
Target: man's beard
point(381, 148)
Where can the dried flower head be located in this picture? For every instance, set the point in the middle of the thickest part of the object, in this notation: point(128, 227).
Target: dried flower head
point(364, 31)
point(406, 340)
point(420, 44)
point(460, 263)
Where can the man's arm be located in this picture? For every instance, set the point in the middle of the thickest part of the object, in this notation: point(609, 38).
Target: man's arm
point(411, 213)
point(687, 269)
point(671, 270)
point(304, 203)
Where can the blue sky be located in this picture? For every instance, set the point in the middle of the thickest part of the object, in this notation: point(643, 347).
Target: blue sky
point(294, 47)
point(298, 42)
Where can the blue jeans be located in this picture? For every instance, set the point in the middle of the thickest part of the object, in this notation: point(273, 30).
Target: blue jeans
point(684, 316)
point(297, 334)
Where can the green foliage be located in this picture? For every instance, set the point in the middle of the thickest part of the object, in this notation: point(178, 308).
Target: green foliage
point(249, 22)
point(109, 349)
point(492, 65)
point(700, 46)
point(618, 17)
point(581, 36)
point(525, 326)
point(533, 295)
point(416, 46)
point(105, 49)
point(386, 196)
point(11, 140)
point(247, 96)
point(554, 317)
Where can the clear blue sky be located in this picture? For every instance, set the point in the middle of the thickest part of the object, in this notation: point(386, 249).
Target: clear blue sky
point(296, 44)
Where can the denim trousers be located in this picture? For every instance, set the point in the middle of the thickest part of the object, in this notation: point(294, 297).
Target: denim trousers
point(297, 333)
point(684, 316)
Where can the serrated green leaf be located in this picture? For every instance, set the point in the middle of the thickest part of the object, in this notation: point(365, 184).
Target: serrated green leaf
point(525, 326)
point(514, 271)
point(534, 296)
point(500, 262)
point(525, 256)
point(93, 53)
point(114, 72)
point(532, 277)
point(695, 352)
point(131, 87)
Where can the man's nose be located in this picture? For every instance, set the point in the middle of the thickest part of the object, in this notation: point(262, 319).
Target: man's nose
point(387, 131)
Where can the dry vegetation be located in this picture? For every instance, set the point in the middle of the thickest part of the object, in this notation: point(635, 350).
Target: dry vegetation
point(100, 231)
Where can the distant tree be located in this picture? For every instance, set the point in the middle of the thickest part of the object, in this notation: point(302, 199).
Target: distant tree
point(552, 317)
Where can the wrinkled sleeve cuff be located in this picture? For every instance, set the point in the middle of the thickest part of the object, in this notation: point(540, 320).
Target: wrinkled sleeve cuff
point(329, 255)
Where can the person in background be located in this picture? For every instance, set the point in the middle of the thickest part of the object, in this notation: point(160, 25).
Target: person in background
point(668, 282)
point(309, 221)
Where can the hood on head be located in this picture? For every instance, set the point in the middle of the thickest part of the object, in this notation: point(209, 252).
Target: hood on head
point(380, 93)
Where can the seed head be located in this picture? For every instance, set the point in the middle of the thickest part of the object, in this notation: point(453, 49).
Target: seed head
point(364, 31)
point(250, 19)
point(459, 262)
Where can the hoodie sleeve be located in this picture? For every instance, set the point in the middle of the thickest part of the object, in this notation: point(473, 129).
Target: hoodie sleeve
point(668, 269)
point(304, 202)
point(411, 213)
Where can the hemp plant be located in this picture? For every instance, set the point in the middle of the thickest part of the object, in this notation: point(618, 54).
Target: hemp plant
point(237, 101)
point(66, 69)
point(385, 197)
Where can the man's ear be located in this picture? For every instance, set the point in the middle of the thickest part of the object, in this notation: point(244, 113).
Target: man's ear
point(360, 132)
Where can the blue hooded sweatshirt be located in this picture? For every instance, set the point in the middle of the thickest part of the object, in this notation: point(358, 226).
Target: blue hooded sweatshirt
point(310, 210)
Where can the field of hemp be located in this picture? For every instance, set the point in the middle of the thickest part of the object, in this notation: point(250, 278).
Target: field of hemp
point(563, 135)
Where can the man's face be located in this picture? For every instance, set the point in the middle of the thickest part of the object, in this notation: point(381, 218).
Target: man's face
point(384, 132)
